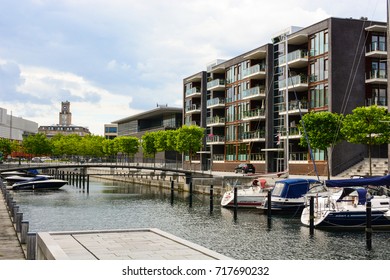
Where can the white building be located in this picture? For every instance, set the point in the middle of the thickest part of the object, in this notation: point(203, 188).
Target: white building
point(15, 128)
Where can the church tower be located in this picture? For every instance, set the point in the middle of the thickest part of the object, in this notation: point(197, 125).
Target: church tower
point(65, 114)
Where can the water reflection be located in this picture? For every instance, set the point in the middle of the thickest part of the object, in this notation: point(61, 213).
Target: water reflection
point(250, 236)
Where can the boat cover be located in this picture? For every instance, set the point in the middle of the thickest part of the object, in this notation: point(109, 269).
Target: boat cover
point(357, 182)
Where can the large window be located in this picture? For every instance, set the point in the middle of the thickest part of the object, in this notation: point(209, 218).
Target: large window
point(319, 96)
point(319, 43)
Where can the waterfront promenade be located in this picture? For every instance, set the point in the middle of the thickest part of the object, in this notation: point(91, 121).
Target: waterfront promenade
point(10, 248)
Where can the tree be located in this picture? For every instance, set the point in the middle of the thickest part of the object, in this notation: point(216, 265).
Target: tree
point(128, 145)
point(148, 143)
point(5, 147)
point(189, 139)
point(322, 130)
point(37, 145)
point(367, 125)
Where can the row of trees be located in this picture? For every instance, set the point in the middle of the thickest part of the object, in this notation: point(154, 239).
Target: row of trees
point(366, 125)
point(187, 139)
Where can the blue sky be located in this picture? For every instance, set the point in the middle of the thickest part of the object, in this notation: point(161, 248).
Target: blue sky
point(115, 58)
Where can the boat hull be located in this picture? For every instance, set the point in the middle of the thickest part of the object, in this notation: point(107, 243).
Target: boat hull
point(40, 185)
point(248, 198)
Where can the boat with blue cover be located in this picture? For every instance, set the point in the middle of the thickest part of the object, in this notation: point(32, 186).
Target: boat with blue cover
point(39, 183)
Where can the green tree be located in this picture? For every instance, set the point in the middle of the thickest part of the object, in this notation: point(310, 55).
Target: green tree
point(37, 145)
point(109, 147)
point(322, 130)
point(189, 139)
point(367, 125)
point(5, 147)
point(128, 145)
point(148, 143)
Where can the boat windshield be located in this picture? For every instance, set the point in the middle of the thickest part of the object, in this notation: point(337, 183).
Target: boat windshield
point(278, 188)
point(317, 188)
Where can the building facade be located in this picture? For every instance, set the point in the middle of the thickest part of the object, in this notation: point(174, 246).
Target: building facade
point(160, 118)
point(110, 131)
point(64, 125)
point(15, 128)
point(251, 105)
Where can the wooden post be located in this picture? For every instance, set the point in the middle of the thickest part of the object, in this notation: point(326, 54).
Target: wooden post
point(311, 215)
point(190, 194)
point(172, 191)
point(88, 183)
point(211, 198)
point(31, 246)
point(235, 203)
point(368, 225)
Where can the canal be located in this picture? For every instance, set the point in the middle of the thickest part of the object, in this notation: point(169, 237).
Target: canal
point(249, 237)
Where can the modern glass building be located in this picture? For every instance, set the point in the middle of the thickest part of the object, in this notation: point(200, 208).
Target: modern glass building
point(251, 104)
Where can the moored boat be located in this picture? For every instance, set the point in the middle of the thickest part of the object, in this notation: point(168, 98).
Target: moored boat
point(346, 207)
point(287, 196)
point(39, 183)
point(247, 196)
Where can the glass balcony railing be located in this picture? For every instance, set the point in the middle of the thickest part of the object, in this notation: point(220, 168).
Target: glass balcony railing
point(191, 91)
point(255, 91)
point(216, 101)
point(295, 105)
point(295, 80)
point(258, 134)
point(377, 46)
point(193, 107)
point(254, 113)
point(218, 157)
point(298, 54)
point(215, 120)
point(377, 74)
point(216, 82)
point(258, 157)
point(252, 70)
point(215, 138)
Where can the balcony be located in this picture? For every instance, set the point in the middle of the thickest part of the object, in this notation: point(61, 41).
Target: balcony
point(217, 84)
point(215, 139)
point(217, 102)
point(195, 91)
point(376, 77)
point(194, 108)
point(253, 93)
point(376, 50)
point(257, 157)
point(255, 72)
point(295, 59)
point(253, 136)
point(254, 114)
point(215, 121)
point(294, 133)
point(378, 101)
point(296, 107)
point(218, 157)
point(297, 83)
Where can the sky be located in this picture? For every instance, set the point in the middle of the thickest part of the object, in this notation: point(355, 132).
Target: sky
point(112, 59)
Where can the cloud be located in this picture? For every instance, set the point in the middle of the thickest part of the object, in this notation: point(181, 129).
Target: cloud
point(113, 59)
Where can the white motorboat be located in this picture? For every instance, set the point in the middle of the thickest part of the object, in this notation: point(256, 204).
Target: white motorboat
point(247, 196)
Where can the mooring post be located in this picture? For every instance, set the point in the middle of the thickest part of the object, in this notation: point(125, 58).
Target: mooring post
point(311, 215)
point(88, 183)
point(18, 222)
point(172, 191)
point(191, 194)
point(24, 232)
point(235, 202)
point(211, 198)
point(368, 225)
point(269, 204)
point(31, 245)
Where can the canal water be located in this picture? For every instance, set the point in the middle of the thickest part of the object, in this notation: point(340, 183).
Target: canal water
point(248, 237)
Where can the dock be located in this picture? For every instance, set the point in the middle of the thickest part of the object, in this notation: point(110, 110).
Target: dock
point(10, 247)
point(133, 244)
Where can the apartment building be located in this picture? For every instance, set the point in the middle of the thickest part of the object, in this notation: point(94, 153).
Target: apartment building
point(251, 105)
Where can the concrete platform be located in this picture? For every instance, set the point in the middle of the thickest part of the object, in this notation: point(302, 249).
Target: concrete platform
point(134, 244)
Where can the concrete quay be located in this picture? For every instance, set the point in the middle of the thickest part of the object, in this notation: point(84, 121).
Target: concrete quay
point(10, 247)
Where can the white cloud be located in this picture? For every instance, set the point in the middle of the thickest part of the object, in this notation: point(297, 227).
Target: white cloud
point(111, 60)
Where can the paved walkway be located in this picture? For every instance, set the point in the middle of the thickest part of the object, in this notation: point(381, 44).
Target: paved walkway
point(134, 244)
point(10, 248)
